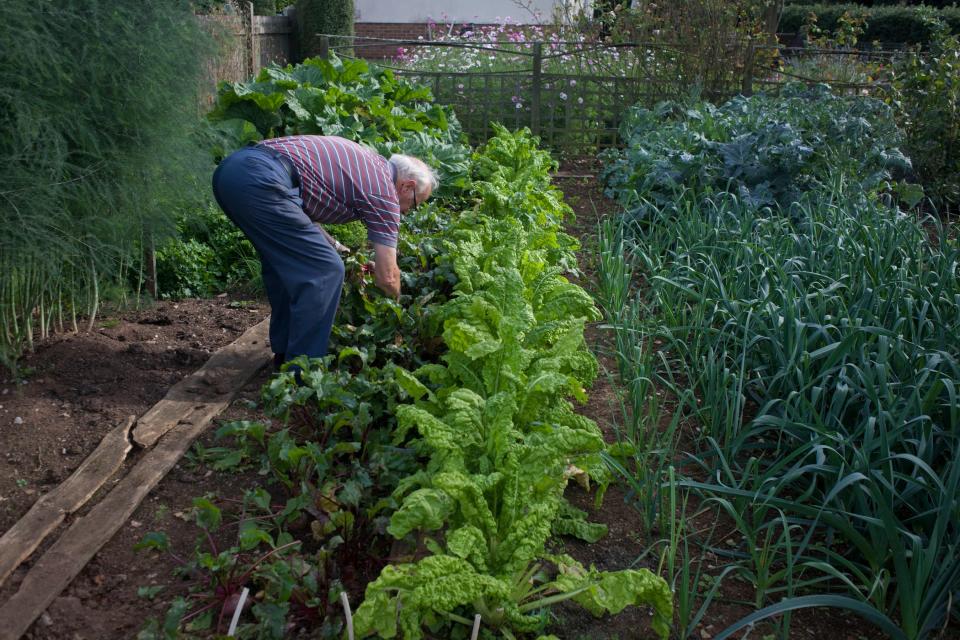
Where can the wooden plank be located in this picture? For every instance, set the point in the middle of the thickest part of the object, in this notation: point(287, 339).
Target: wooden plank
point(264, 25)
point(56, 568)
point(206, 392)
point(69, 555)
point(48, 512)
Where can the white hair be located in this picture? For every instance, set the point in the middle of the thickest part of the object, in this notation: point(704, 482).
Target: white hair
point(410, 168)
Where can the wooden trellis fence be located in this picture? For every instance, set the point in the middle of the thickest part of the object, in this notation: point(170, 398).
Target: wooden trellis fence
point(572, 94)
point(575, 94)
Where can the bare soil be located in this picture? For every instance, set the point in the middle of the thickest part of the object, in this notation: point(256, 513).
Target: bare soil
point(73, 389)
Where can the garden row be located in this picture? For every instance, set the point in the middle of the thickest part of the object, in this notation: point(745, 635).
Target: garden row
point(769, 276)
point(441, 432)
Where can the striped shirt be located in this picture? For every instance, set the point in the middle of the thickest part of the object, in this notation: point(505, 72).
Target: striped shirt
point(341, 181)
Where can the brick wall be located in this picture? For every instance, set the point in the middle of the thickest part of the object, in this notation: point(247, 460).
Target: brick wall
point(388, 30)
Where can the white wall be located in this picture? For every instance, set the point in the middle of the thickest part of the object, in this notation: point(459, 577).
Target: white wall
point(479, 11)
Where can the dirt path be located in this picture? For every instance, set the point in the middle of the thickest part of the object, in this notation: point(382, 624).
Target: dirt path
point(77, 387)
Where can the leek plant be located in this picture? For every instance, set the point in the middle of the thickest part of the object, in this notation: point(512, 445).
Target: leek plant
point(653, 443)
point(820, 346)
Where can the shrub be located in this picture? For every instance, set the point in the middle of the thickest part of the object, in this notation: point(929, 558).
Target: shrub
point(265, 7)
point(322, 17)
point(884, 24)
point(926, 92)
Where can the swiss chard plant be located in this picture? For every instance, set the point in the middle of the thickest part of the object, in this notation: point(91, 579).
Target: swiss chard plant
point(497, 493)
point(499, 435)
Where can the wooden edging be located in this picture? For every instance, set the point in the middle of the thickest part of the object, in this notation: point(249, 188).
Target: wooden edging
point(48, 512)
point(210, 390)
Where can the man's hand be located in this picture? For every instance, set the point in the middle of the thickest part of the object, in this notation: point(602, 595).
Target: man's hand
point(386, 273)
point(342, 249)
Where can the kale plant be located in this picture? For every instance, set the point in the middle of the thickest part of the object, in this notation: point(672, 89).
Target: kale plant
point(767, 150)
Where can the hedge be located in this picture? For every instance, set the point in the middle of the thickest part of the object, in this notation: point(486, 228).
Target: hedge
point(315, 17)
point(884, 3)
point(885, 24)
point(265, 7)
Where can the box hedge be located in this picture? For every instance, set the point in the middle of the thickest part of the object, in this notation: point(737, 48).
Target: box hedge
point(885, 24)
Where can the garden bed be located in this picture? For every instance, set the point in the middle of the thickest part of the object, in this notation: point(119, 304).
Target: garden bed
point(152, 349)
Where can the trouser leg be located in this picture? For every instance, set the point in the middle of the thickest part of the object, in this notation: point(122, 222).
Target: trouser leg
point(256, 193)
point(279, 305)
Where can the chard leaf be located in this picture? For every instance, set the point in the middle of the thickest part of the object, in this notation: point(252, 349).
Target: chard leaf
point(468, 493)
point(424, 509)
point(612, 592)
point(409, 383)
point(468, 543)
point(377, 615)
point(573, 522)
point(435, 585)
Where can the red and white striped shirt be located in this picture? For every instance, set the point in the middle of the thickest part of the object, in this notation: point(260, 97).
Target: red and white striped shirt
point(341, 181)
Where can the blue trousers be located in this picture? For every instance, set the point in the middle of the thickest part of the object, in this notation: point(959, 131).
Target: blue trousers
point(302, 273)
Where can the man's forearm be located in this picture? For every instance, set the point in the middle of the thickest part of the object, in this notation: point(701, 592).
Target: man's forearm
point(386, 275)
point(392, 289)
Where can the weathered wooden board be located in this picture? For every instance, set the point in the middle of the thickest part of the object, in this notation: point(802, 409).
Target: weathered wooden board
point(178, 419)
point(73, 550)
point(48, 512)
point(208, 391)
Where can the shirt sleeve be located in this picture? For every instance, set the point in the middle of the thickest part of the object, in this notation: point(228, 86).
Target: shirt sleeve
point(381, 215)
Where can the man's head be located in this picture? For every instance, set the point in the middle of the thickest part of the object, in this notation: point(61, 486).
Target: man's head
point(415, 180)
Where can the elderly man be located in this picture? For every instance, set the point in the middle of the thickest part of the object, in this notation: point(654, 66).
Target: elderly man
point(276, 191)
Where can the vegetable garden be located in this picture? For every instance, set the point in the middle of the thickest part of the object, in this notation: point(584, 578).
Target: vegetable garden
point(767, 290)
